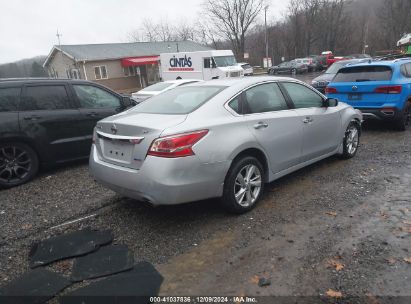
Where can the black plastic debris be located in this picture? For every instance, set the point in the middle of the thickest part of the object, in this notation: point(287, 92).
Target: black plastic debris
point(35, 286)
point(68, 245)
point(264, 282)
point(107, 260)
point(135, 286)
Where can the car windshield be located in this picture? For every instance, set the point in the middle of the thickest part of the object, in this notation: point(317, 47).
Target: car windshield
point(156, 87)
point(334, 68)
point(181, 100)
point(363, 73)
point(224, 61)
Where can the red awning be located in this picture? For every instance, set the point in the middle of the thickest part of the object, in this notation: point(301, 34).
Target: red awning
point(135, 61)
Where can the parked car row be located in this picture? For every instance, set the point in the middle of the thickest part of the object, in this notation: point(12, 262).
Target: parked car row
point(270, 126)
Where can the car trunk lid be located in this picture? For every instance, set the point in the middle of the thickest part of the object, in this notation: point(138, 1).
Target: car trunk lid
point(124, 139)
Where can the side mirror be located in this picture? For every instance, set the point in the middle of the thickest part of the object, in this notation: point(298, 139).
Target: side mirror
point(330, 102)
point(128, 102)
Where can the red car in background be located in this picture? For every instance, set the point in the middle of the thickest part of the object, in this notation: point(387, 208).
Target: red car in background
point(331, 58)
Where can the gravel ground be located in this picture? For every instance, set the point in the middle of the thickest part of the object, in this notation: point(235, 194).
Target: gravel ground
point(354, 215)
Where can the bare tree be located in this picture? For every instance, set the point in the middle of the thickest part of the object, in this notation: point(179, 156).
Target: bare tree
point(233, 19)
point(395, 18)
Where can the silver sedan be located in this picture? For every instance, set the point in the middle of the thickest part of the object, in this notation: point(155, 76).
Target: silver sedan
point(220, 138)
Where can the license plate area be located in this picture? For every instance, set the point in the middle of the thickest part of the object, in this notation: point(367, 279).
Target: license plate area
point(117, 150)
point(354, 96)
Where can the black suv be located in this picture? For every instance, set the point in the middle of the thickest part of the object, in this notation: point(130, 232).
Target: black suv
point(49, 121)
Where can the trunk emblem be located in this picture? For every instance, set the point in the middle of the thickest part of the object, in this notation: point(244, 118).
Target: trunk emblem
point(113, 129)
point(354, 88)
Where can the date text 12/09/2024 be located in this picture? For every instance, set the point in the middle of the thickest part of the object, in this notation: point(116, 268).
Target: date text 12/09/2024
point(203, 299)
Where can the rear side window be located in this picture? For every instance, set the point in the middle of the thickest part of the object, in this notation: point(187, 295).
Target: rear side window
point(9, 98)
point(181, 100)
point(363, 73)
point(302, 96)
point(235, 105)
point(406, 70)
point(265, 98)
point(52, 97)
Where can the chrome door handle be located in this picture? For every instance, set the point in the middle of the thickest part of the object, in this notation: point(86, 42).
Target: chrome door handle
point(308, 120)
point(92, 114)
point(32, 117)
point(260, 125)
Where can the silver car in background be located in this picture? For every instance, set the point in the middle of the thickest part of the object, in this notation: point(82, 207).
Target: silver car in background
point(220, 138)
point(159, 88)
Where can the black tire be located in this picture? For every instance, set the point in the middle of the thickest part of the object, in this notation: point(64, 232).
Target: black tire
point(404, 118)
point(229, 200)
point(347, 151)
point(19, 163)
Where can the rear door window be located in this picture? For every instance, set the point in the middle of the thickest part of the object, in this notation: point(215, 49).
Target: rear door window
point(363, 73)
point(91, 97)
point(9, 98)
point(45, 97)
point(301, 96)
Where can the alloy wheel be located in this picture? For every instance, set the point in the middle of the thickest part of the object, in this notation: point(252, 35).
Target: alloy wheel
point(247, 185)
point(15, 164)
point(352, 140)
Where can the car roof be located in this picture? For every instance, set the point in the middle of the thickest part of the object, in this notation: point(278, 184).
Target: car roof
point(180, 81)
point(392, 63)
point(228, 82)
point(19, 81)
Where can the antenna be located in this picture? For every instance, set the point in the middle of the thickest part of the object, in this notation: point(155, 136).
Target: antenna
point(58, 36)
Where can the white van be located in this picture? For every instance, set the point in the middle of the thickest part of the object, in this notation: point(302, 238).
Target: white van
point(204, 65)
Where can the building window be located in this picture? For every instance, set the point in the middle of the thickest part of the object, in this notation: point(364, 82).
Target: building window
point(100, 72)
point(129, 71)
point(75, 74)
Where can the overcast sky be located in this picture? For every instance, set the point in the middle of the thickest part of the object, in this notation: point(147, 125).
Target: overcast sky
point(28, 27)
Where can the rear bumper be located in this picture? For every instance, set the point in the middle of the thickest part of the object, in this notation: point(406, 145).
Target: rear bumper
point(380, 113)
point(162, 181)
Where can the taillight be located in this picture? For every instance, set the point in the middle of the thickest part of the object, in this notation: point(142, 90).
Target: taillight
point(330, 90)
point(94, 138)
point(178, 145)
point(388, 90)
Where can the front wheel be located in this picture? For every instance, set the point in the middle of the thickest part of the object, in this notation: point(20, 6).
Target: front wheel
point(351, 140)
point(243, 185)
point(18, 164)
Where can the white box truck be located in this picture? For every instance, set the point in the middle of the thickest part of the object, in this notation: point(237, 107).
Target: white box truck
point(204, 65)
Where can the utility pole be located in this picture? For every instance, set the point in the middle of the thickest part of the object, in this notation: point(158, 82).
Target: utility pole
point(266, 34)
point(365, 46)
point(58, 36)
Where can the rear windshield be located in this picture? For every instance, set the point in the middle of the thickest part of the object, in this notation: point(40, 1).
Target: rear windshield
point(182, 100)
point(156, 87)
point(363, 73)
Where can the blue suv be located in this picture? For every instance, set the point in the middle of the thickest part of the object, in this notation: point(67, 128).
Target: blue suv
point(380, 89)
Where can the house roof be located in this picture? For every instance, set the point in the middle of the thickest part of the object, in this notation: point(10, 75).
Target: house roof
point(94, 52)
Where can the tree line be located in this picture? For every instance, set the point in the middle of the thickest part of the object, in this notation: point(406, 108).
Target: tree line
point(307, 27)
point(31, 67)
